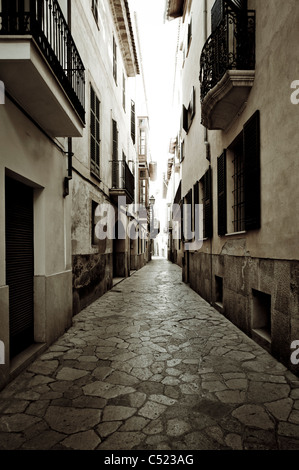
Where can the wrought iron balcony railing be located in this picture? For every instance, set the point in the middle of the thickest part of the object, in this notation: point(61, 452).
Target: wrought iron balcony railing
point(231, 46)
point(44, 21)
point(122, 178)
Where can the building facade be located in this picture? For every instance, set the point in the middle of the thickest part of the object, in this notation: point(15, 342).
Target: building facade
point(43, 108)
point(70, 87)
point(104, 161)
point(238, 141)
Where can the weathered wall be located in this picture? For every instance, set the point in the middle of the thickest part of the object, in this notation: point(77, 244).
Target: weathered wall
point(28, 155)
point(241, 277)
point(264, 260)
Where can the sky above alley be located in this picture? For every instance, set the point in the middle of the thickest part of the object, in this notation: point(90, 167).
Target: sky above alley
point(158, 42)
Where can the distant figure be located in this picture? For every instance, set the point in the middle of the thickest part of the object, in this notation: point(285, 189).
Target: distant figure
point(2, 353)
point(2, 93)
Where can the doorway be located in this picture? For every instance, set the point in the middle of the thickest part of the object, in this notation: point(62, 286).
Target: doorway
point(19, 235)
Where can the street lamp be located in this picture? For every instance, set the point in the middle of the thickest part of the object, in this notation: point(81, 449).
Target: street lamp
point(152, 201)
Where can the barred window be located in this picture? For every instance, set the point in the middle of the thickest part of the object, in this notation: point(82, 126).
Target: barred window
point(238, 191)
point(95, 140)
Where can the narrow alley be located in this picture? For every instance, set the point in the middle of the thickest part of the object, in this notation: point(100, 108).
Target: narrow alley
point(152, 366)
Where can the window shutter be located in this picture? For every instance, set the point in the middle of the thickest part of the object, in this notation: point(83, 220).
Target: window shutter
point(185, 121)
point(222, 194)
point(188, 217)
point(217, 14)
point(115, 168)
point(133, 122)
point(252, 173)
point(208, 204)
point(95, 137)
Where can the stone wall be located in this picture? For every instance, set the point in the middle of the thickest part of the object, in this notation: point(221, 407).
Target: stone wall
point(260, 296)
point(92, 277)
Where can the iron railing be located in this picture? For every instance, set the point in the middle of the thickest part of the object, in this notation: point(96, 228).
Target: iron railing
point(45, 22)
point(231, 46)
point(123, 178)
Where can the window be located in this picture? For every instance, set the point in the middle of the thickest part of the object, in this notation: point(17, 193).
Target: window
point(142, 142)
point(219, 290)
point(133, 122)
point(188, 113)
point(206, 192)
point(239, 187)
point(220, 7)
point(191, 109)
point(94, 239)
point(114, 60)
point(188, 217)
point(189, 39)
point(261, 314)
point(182, 152)
point(115, 141)
point(94, 133)
point(95, 10)
point(143, 192)
point(115, 163)
point(124, 92)
point(222, 196)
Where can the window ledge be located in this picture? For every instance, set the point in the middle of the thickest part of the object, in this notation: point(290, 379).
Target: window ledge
point(235, 233)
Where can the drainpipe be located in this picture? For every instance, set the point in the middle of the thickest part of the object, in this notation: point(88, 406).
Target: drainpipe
point(207, 143)
point(70, 168)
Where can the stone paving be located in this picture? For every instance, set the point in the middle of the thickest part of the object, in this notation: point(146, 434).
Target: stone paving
point(152, 366)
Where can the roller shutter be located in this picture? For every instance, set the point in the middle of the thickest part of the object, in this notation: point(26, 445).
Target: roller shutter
point(19, 264)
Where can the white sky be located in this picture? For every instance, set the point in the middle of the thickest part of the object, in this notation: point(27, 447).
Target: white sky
point(158, 42)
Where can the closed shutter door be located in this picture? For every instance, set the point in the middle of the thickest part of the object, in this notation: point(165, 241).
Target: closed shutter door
point(19, 264)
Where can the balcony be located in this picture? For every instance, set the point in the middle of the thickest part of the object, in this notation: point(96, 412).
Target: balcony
point(40, 65)
point(227, 69)
point(123, 182)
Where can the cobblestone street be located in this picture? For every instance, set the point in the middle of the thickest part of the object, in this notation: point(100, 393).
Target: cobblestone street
point(152, 366)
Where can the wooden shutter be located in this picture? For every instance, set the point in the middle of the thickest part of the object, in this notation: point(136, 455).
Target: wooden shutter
point(222, 194)
point(185, 120)
point(252, 173)
point(217, 14)
point(115, 163)
point(208, 204)
point(94, 132)
point(238, 5)
point(188, 219)
point(133, 122)
point(114, 60)
point(196, 206)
